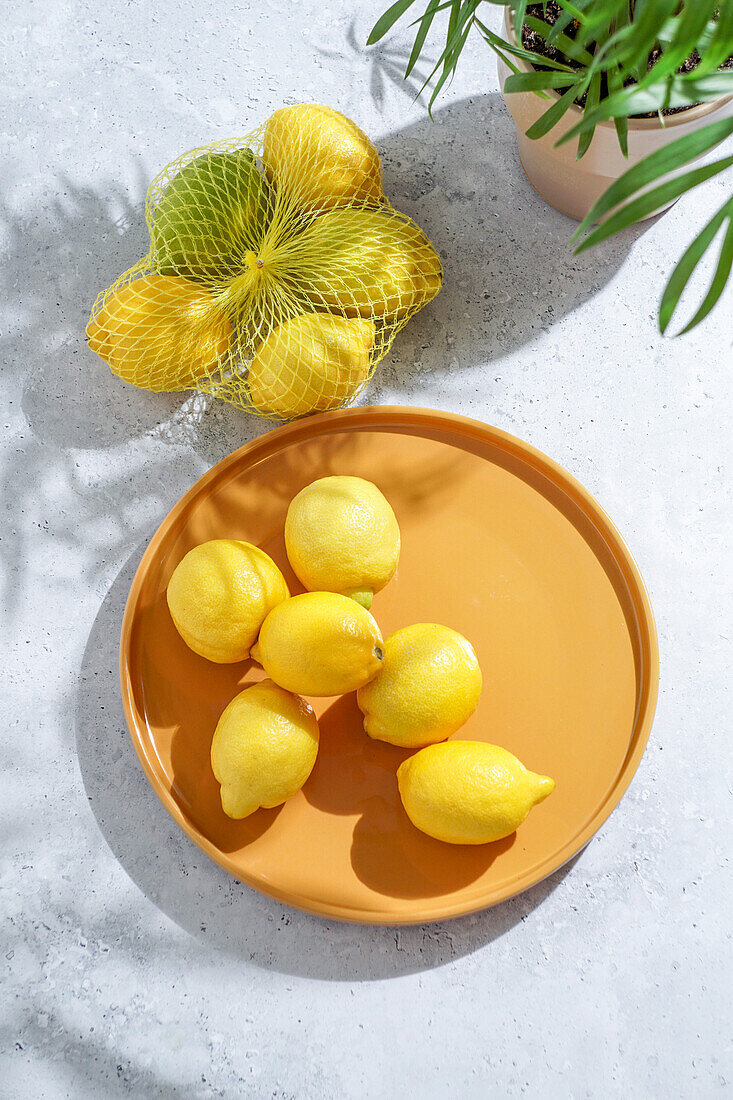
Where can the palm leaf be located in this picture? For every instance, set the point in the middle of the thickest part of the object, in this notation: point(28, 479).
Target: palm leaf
point(688, 27)
point(691, 258)
point(594, 94)
point(520, 10)
point(503, 48)
point(561, 41)
point(554, 113)
point(422, 33)
point(678, 91)
point(609, 46)
point(388, 20)
point(651, 201)
point(569, 13)
point(653, 167)
point(719, 44)
point(540, 82)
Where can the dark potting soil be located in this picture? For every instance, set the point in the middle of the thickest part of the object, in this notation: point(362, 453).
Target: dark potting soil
point(550, 12)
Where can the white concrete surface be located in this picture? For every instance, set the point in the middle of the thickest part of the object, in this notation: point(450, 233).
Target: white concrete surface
point(126, 975)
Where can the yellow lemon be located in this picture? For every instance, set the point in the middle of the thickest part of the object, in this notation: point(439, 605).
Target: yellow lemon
point(319, 643)
point(468, 792)
point(310, 363)
point(342, 536)
point(219, 595)
point(429, 685)
point(160, 332)
point(377, 265)
point(320, 158)
point(264, 748)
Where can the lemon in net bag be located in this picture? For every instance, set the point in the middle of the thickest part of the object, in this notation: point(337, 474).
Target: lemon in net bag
point(278, 273)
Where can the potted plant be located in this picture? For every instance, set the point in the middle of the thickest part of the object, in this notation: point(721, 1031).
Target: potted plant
point(614, 102)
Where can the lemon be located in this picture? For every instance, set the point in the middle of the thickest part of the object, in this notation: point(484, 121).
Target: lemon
point(320, 158)
point(342, 536)
point(264, 748)
point(160, 332)
point(429, 685)
point(468, 792)
point(319, 643)
point(312, 362)
point(219, 595)
point(376, 264)
point(213, 211)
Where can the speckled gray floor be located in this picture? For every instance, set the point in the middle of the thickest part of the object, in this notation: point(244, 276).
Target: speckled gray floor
point(123, 974)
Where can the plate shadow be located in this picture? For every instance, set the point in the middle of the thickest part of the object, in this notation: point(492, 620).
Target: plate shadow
point(200, 896)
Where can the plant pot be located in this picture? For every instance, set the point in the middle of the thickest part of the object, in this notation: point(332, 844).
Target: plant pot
point(572, 186)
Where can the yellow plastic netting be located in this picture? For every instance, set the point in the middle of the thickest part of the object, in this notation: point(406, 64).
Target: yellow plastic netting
point(278, 273)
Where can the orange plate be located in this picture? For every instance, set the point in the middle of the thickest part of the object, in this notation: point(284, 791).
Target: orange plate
point(498, 542)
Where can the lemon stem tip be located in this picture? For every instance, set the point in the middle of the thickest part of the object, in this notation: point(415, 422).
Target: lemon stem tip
point(544, 786)
point(254, 263)
point(362, 596)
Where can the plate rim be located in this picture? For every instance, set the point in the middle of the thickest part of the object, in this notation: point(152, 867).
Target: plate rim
point(376, 416)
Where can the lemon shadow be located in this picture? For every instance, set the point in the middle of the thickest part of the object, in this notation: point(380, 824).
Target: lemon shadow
point(351, 769)
point(356, 775)
point(393, 858)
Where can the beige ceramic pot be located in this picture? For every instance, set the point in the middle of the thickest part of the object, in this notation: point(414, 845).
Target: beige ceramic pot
point(571, 185)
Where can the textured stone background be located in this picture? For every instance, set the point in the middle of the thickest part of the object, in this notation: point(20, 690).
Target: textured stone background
point(163, 977)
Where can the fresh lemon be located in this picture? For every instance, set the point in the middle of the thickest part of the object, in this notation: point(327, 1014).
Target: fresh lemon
point(212, 212)
point(264, 748)
point(429, 685)
point(160, 332)
point(319, 643)
point(468, 792)
point(378, 264)
point(320, 158)
point(342, 536)
point(310, 363)
point(219, 595)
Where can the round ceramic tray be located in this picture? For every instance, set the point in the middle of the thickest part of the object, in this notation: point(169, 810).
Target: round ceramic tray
point(498, 542)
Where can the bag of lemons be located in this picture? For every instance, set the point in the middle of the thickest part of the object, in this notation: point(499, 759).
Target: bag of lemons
point(278, 273)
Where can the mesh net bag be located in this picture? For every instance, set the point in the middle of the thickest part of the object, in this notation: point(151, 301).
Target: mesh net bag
point(278, 273)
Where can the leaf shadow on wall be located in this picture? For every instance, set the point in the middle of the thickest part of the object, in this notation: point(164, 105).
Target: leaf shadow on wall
point(58, 259)
point(57, 256)
point(381, 66)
